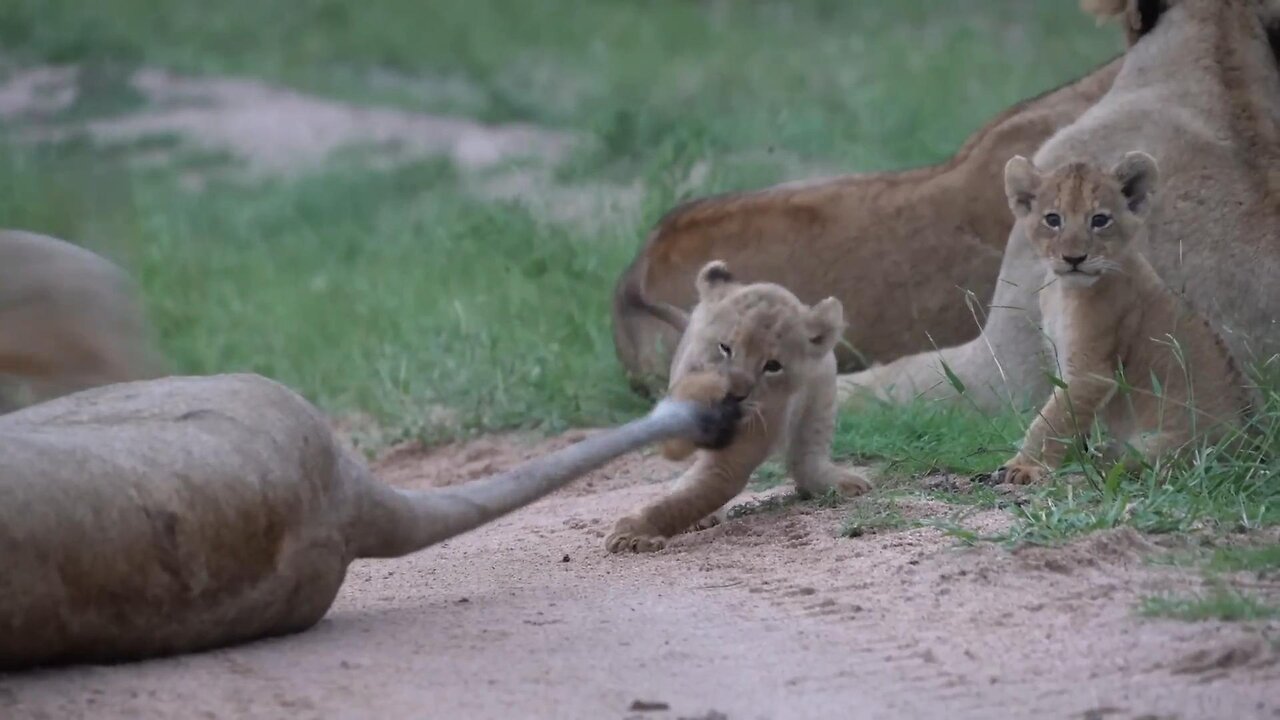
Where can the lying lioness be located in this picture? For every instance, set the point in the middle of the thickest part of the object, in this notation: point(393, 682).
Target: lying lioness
point(174, 515)
point(69, 320)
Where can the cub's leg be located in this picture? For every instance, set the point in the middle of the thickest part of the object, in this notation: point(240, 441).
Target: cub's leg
point(1065, 418)
point(810, 429)
point(713, 480)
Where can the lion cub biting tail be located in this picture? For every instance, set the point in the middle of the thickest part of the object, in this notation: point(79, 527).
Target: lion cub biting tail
point(756, 344)
point(1114, 323)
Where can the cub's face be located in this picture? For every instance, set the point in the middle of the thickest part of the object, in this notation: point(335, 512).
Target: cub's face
point(759, 338)
point(1080, 218)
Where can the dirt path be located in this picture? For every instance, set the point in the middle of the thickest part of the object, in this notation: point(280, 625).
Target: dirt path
point(768, 616)
point(271, 130)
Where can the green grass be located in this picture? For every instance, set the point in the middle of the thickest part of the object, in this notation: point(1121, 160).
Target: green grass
point(1220, 603)
point(922, 438)
point(769, 475)
point(1263, 560)
point(873, 515)
point(391, 293)
point(1212, 490)
point(1239, 578)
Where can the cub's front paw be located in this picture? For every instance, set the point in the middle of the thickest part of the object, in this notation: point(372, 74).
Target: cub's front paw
point(633, 534)
point(1018, 472)
point(851, 484)
point(714, 519)
point(845, 482)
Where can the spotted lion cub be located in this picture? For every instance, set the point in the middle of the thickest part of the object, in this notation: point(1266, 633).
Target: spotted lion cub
point(756, 344)
point(1112, 320)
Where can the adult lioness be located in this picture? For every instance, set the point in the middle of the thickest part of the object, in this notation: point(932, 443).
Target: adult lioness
point(69, 320)
point(172, 515)
point(1199, 89)
point(898, 249)
point(1129, 351)
point(758, 345)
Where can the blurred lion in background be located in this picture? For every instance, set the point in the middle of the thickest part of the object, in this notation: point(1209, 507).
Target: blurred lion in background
point(69, 320)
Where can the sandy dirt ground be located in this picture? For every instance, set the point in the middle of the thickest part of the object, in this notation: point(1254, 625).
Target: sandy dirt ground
point(770, 615)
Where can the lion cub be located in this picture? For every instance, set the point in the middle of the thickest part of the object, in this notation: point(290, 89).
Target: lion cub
point(759, 345)
point(1111, 319)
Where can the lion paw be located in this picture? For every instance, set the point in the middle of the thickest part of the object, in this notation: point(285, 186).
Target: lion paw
point(716, 518)
point(636, 535)
point(1018, 472)
point(851, 484)
point(846, 482)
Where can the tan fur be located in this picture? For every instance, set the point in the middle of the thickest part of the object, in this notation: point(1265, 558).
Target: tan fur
point(1109, 316)
point(733, 335)
point(69, 320)
point(894, 248)
point(1127, 12)
point(1199, 89)
point(173, 515)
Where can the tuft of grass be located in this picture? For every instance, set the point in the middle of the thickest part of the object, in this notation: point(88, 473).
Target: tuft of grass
point(923, 438)
point(769, 475)
point(1220, 603)
point(873, 515)
point(1263, 560)
point(1213, 489)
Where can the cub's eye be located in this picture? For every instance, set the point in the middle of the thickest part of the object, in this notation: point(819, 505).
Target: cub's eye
point(1099, 221)
point(773, 367)
point(726, 351)
point(1053, 220)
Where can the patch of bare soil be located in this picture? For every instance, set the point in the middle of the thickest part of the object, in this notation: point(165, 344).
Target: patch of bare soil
point(272, 130)
point(769, 615)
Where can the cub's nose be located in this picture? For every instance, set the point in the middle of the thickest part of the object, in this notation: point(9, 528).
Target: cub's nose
point(740, 384)
point(1074, 261)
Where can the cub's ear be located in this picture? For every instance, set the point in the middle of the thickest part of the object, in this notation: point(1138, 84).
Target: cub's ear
point(1021, 183)
point(824, 325)
point(1138, 176)
point(1138, 16)
point(714, 280)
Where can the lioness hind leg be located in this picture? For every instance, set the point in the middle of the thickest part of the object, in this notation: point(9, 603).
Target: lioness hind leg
point(811, 429)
